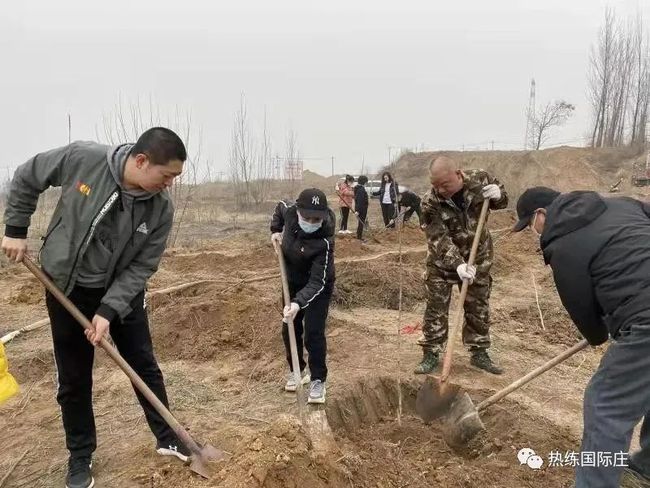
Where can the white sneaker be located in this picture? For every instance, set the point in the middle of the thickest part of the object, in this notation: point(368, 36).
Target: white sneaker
point(175, 450)
point(291, 384)
point(341, 231)
point(317, 392)
point(348, 232)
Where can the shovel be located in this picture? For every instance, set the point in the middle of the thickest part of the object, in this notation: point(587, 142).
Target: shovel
point(201, 455)
point(396, 219)
point(462, 422)
point(293, 345)
point(436, 396)
point(314, 421)
point(365, 224)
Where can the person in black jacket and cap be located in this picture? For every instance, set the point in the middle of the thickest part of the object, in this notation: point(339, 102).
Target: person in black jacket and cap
point(306, 234)
point(361, 204)
point(599, 251)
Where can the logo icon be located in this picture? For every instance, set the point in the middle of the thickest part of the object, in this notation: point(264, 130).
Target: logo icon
point(142, 228)
point(315, 200)
point(83, 188)
point(527, 456)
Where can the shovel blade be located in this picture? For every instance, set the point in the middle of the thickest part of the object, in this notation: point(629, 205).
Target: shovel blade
point(462, 422)
point(434, 399)
point(207, 454)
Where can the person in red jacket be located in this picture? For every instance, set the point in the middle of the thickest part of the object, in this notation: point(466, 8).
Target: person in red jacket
point(345, 191)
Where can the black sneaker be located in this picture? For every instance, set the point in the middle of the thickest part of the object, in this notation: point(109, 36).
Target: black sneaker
point(79, 475)
point(174, 448)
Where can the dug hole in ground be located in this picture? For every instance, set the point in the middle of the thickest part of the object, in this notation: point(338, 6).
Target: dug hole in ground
point(220, 349)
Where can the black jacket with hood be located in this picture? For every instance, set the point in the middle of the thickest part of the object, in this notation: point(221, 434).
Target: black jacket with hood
point(360, 199)
point(309, 257)
point(599, 250)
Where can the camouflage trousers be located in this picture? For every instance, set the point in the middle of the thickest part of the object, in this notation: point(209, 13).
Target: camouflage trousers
point(476, 327)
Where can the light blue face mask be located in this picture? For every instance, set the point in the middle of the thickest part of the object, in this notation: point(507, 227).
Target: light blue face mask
point(307, 227)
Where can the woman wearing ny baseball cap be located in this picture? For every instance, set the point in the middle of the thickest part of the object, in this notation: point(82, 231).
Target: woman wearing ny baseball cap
point(305, 232)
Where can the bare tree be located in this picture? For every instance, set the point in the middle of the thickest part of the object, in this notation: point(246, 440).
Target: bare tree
point(620, 88)
point(641, 83)
point(619, 82)
point(292, 160)
point(242, 156)
point(600, 76)
point(552, 115)
point(261, 184)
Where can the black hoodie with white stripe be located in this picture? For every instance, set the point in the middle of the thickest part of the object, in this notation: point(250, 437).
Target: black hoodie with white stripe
point(309, 257)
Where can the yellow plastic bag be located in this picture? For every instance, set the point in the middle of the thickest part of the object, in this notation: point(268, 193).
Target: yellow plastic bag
point(8, 385)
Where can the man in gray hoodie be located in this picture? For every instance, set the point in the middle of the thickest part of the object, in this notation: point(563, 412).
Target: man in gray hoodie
point(105, 240)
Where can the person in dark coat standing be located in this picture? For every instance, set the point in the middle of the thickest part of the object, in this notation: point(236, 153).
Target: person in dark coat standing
point(387, 193)
point(305, 232)
point(599, 253)
point(361, 204)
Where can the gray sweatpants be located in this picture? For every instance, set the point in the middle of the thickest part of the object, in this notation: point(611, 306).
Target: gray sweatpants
point(616, 399)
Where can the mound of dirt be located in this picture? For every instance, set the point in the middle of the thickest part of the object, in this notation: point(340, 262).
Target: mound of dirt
point(202, 325)
point(280, 456)
point(255, 253)
point(26, 292)
point(524, 288)
point(376, 283)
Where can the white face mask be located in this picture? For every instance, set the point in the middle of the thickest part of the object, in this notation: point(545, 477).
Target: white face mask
point(308, 227)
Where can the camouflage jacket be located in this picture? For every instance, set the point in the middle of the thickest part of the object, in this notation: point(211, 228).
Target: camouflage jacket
point(450, 230)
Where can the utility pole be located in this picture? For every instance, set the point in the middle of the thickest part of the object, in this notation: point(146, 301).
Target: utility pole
point(493, 145)
point(332, 165)
point(69, 129)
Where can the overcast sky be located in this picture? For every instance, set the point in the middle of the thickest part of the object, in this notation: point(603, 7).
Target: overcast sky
point(351, 78)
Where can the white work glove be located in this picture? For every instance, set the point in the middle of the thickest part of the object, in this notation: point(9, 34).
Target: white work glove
point(290, 311)
point(466, 272)
point(492, 191)
point(276, 237)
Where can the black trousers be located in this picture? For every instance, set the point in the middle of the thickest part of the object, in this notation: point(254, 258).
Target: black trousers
point(388, 212)
point(409, 213)
point(345, 212)
point(363, 215)
point(309, 325)
point(74, 362)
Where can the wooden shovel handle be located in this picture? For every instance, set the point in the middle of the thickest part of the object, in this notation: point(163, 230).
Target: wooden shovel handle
point(456, 325)
point(164, 412)
point(532, 375)
point(293, 344)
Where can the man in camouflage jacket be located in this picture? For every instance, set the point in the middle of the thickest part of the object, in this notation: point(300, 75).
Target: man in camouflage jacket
point(450, 213)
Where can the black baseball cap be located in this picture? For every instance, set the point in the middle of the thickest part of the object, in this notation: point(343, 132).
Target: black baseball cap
point(531, 200)
point(312, 204)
